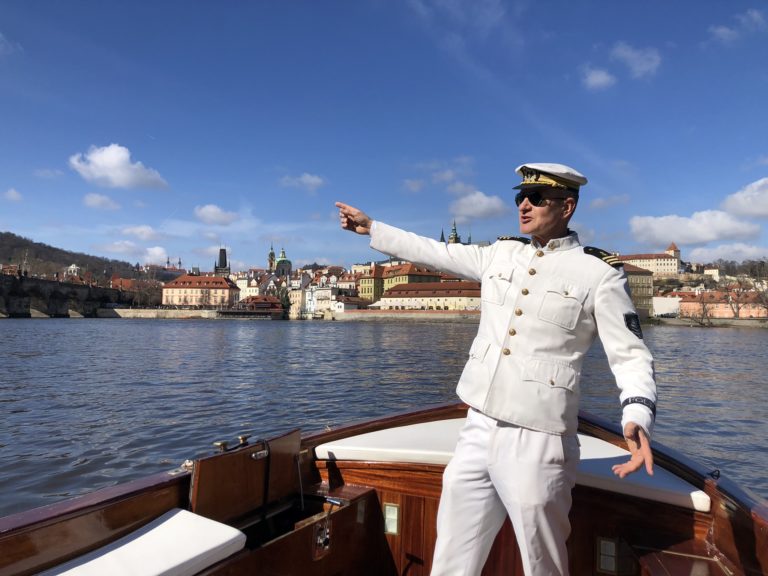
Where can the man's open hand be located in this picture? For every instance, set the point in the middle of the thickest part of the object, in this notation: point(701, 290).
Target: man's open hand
point(640, 448)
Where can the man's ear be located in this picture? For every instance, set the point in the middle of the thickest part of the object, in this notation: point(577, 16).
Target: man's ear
point(569, 205)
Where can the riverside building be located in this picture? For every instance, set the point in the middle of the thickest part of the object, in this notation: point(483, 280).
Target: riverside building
point(663, 265)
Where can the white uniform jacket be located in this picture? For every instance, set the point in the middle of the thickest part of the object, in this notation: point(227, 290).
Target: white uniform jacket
point(541, 309)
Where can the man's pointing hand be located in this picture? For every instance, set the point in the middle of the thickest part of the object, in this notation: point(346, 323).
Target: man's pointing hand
point(353, 219)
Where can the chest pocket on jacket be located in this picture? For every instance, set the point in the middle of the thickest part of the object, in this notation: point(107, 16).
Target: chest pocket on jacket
point(562, 304)
point(495, 285)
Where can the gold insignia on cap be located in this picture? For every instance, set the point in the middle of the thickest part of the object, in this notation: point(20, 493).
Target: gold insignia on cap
point(534, 177)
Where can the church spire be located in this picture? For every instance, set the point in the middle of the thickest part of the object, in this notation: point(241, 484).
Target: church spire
point(271, 258)
point(454, 237)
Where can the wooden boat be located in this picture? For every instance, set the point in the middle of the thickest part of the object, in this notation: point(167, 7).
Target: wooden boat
point(362, 500)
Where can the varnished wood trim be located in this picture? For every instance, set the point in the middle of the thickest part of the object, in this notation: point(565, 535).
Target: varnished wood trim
point(34, 548)
point(43, 515)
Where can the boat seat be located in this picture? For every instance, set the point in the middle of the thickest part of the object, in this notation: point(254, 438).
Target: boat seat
point(433, 443)
point(178, 543)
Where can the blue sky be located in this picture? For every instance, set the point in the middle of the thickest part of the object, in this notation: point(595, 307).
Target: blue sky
point(146, 130)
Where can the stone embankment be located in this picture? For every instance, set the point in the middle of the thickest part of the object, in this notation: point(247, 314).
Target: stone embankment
point(432, 315)
point(716, 322)
point(156, 313)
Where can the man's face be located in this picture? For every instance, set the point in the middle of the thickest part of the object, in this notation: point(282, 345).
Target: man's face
point(550, 219)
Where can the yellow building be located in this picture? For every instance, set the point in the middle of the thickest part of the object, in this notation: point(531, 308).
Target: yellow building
point(371, 284)
point(408, 274)
point(641, 289)
point(463, 295)
point(193, 290)
point(661, 265)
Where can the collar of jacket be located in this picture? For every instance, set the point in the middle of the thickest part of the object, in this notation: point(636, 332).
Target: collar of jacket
point(558, 244)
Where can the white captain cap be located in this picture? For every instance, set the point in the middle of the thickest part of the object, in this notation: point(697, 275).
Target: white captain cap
point(540, 175)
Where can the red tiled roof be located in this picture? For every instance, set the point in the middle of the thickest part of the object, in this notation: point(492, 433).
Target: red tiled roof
point(190, 281)
point(626, 257)
point(715, 296)
point(409, 270)
point(632, 269)
point(462, 288)
point(376, 272)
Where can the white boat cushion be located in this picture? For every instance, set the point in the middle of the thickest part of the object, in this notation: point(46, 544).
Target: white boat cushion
point(433, 443)
point(178, 543)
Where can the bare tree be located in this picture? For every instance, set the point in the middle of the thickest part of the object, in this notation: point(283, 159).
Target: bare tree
point(702, 314)
point(759, 271)
point(737, 293)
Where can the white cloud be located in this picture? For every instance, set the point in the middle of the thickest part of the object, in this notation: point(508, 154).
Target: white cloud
point(7, 47)
point(597, 79)
point(752, 200)
point(48, 173)
point(212, 214)
point(586, 235)
point(125, 247)
point(444, 176)
point(111, 167)
point(723, 34)
point(100, 202)
point(752, 20)
point(209, 251)
point(598, 203)
point(478, 16)
point(461, 188)
point(747, 22)
point(701, 227)
point(309, 182)
point(143, 232)
point(641, 62)
point(477, 205)
point(736, 251)
point(155, 255)
point(12, 195)
point(413, 185)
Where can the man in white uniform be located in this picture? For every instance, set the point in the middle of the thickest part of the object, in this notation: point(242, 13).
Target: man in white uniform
point(544, 301)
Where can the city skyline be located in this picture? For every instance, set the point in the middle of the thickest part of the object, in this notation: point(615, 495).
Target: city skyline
point(146, 132)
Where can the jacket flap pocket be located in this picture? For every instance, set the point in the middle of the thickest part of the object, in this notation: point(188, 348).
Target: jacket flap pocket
point(569, 290)
point(501, 274)
point(479, 348)
point(549, 373)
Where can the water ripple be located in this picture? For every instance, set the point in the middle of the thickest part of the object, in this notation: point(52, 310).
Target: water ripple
point(95, 402)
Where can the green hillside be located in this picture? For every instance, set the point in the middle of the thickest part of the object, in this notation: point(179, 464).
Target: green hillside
point(45, 261)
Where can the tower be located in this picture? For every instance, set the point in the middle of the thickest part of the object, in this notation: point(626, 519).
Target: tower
point(283, 265)
point(222, 268)
point(271, 259)
point(454, 237)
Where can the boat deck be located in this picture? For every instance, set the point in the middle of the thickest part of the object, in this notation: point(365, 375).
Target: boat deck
point(433, 443)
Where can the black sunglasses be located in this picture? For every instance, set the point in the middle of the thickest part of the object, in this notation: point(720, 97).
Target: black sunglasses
point(535, 198)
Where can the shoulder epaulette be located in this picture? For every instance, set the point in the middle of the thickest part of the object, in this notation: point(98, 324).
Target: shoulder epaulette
point(606, 257)
point(516, 238)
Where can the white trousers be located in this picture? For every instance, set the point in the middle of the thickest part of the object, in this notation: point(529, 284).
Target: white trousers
point(499, 469)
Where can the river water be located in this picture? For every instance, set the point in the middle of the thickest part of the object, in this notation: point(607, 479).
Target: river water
point(89, 403)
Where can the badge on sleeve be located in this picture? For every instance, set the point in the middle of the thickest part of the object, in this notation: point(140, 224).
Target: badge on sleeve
point(633, 323)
